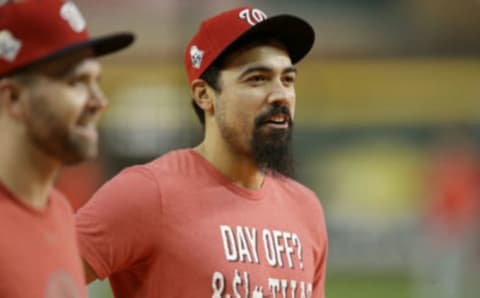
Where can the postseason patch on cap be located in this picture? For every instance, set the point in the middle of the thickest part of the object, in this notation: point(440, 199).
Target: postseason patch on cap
point(72, 15)
point(197, 56)
point(9, 46)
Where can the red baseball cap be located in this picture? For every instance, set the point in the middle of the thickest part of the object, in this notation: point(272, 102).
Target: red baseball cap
point(36, 30)
point(218, 33)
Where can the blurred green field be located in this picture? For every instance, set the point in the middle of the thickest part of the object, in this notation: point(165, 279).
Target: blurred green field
point(368, 286)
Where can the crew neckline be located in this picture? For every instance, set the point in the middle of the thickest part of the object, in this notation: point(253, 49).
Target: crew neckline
point(228, 183)
point(9, 195)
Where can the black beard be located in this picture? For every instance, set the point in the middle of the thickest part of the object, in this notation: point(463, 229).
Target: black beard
point(272, 148)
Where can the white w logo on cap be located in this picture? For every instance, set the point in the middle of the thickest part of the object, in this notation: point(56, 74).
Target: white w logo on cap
point(252, 16)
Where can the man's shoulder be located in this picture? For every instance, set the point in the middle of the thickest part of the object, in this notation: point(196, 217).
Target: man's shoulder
point(176, 162)
point(60, 201)
point(172, 164)
point(292, 185)
point(298, 192)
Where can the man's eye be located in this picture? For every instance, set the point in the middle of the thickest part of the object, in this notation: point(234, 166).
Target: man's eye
point(257, 78)
point(74, 81)
point(289, 79)
point(81, 80)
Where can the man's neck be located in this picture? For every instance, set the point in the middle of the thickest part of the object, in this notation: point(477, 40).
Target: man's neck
point(27, 173)
point(238, 168)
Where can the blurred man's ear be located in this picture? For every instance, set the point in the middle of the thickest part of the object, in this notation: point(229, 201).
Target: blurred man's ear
point(203, 95)
point(10, 92)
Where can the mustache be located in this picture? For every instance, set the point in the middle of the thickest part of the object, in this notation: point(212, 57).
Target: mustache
point(275, 110)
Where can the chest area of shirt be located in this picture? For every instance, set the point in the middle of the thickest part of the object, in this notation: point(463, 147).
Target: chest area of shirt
point(44, 259)
point(236, 256)
point(47, 248)
point(35, 239)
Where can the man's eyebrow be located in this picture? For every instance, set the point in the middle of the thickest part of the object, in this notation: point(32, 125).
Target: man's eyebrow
point(254, 69)
point(265, 69)
point(290, 69)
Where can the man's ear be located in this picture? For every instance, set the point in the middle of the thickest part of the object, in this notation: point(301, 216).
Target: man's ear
point(10, 93)
point(203, 95)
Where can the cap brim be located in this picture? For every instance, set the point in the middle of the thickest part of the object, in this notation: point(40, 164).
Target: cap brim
point(296, 34)
point(100, 46)
point(110, 43)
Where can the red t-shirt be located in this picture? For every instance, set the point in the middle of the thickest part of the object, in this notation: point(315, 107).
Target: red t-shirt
point(454, 192)
point(38, 251)
point(176, 227)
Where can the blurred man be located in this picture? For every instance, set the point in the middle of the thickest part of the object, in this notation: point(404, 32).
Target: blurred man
point(221, 219)
point(445, 263)
point(50, 102)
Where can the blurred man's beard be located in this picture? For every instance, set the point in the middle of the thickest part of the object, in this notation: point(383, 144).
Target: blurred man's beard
point(63, 146)
point(53, 137)
point(272, 148)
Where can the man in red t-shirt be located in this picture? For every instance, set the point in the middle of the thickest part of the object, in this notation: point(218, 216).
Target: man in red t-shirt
point(50, 102)
point(446, 256)
point(222, 219)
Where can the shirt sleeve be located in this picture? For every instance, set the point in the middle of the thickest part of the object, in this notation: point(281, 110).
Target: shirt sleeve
point(111, 226)
point(320, 274)
point(321, 260)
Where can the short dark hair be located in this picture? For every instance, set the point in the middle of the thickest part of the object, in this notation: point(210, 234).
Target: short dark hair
point(212, 77)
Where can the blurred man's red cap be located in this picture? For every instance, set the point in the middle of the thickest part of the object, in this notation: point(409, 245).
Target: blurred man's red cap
point(218, 33)
point(36, 30)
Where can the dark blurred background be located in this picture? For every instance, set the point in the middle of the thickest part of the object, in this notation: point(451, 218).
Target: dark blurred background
point(387, 129)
